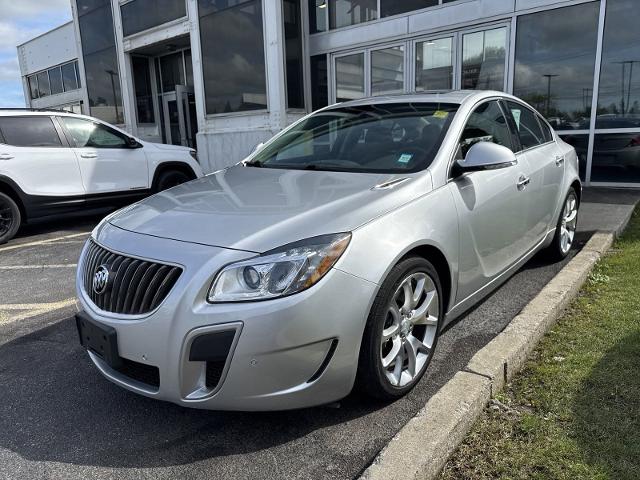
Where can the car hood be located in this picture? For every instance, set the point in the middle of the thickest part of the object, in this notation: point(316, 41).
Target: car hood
point(165, 147)
point(258, 209)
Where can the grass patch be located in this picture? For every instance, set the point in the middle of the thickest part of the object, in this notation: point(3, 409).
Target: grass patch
point(574, 410)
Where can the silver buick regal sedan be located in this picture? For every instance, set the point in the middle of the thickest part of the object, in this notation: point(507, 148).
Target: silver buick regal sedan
point(330, 258)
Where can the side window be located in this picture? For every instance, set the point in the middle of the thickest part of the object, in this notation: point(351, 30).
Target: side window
point(486, 124)
point(546, 130)
point(86, 133)
point(527, 124)
point(34, 131)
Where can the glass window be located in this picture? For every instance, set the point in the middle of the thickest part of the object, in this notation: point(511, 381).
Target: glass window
point(387, 71)
point(317, 16)
point(619, 96)
point(555, 60)
point(233, 55)
point(142, 84)
point(319, 82)
point(293, 52)
point(172, 71)
point(483, 59)
point(434, 64)
point(546, 131)
point(33, 86)
point(69, 76)
point(350, 77)
point(486, 124)
point(526, 123)
point(389, 138)
point(90, 134)
point(343, 13)
point(393, 7)
point(29, 132)
point(55, 79)
point(616, 158)
point(142, 15)
point(581, 144)
point(75, 64)
point(96, 29)
point(188, 62)
point(44, 88)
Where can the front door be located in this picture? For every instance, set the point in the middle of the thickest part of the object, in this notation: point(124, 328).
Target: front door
point(179, 116)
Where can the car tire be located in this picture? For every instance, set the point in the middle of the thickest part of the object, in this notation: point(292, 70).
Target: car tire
point(10, 218)
point(379, 374)
point(169, 179)
point(565, 228)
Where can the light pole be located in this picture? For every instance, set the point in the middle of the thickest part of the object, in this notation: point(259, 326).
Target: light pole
point(549, 76)
point(624, 63)
point(113, 89)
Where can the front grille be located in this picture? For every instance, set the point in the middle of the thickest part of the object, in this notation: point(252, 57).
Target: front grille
point(140, 372)
point(134, 286)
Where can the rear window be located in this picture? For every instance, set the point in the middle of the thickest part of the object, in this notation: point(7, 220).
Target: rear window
point(29, 132)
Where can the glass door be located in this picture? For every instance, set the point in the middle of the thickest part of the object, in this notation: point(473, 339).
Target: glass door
point(179, 116)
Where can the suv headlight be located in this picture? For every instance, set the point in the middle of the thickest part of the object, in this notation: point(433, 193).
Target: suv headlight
point(277, 273)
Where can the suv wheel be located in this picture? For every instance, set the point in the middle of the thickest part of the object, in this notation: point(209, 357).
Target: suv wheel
point(10, 218)
point(170, 179)
point(402, 330)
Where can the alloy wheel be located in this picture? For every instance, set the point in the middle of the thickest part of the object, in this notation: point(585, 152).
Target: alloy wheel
point(569, 223)
point(410, 329)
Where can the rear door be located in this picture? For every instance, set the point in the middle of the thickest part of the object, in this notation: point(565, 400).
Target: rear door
point(492, 206)
point(107, 162)
point(546, 168)
point(35, 155)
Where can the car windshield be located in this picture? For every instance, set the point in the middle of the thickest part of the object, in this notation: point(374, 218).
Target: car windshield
point(384, 138)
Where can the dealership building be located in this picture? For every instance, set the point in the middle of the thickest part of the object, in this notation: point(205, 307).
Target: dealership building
point(225, 75)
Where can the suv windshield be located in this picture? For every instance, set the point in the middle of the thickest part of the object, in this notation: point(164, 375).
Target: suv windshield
point(387, 138)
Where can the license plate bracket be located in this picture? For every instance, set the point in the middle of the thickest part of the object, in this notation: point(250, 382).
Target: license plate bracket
point(99, 339)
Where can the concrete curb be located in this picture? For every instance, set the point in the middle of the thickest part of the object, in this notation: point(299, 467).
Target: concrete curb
point(422, 447)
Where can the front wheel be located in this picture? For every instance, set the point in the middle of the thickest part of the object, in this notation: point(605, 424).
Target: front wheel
point(401, 331)
point(10, 218)
point(565, 228)
point(170, 179)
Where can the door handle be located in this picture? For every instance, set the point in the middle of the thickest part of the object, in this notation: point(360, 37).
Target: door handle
point(5, 156)
point(523, 182)
point(89, 155)
point(559, 160)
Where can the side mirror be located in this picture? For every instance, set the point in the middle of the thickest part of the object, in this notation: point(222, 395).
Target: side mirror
point(486, 156)
point(133, 143)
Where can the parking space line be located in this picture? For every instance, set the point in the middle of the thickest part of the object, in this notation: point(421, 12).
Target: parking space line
point(43, 242)
point(36, 267)
point(32, 310)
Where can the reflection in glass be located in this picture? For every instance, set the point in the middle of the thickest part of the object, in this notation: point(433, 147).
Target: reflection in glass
point(55, 80)
point(69, 76)
point(172, 71)
point(141, 15)
point(616, 158)
point(343, 13)
point(483, 59)
point(434, 64)
point(232, 55)
point(142, 85)
point(33, 87)
point(317, 16)
point(319, 82)
point(43, 84)
point(555, 60)
point(581, 144)
point(293, 52)
point(349, 77)
point(619, 95)
point(387, 71)
point(394, 7)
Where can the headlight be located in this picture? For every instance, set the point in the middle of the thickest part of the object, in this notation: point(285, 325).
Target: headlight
point(194, 155)
point(284, 271)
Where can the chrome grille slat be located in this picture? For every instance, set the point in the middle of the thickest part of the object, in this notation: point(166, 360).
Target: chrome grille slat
point(136, 286)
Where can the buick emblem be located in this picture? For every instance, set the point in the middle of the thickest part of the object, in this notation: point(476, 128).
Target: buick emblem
point(100, 279)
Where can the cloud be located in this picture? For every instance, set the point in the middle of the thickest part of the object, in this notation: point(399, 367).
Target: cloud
point(22, 20)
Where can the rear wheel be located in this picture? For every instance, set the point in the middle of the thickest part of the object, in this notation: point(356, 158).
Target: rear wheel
point(402, 330)
point(565, 228)
point(170, 179)
point(10, 218)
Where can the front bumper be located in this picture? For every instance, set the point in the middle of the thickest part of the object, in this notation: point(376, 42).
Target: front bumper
point(286, 353)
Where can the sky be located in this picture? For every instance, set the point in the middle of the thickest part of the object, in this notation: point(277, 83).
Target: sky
point(20, 21)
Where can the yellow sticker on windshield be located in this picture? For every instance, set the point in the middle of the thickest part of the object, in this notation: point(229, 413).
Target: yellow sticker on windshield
point(441, 114)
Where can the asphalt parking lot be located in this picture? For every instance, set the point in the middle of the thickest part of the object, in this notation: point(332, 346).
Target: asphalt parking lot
point(60, 419)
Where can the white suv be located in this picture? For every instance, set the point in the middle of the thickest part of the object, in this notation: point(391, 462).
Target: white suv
point(55, 162)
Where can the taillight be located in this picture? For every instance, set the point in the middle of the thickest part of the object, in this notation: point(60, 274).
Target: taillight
point(635, 142)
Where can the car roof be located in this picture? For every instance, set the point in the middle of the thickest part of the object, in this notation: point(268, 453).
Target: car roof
point(26, 112)
point(435, 96)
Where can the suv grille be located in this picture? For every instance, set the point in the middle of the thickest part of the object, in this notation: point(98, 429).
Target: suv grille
point(135, 287)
